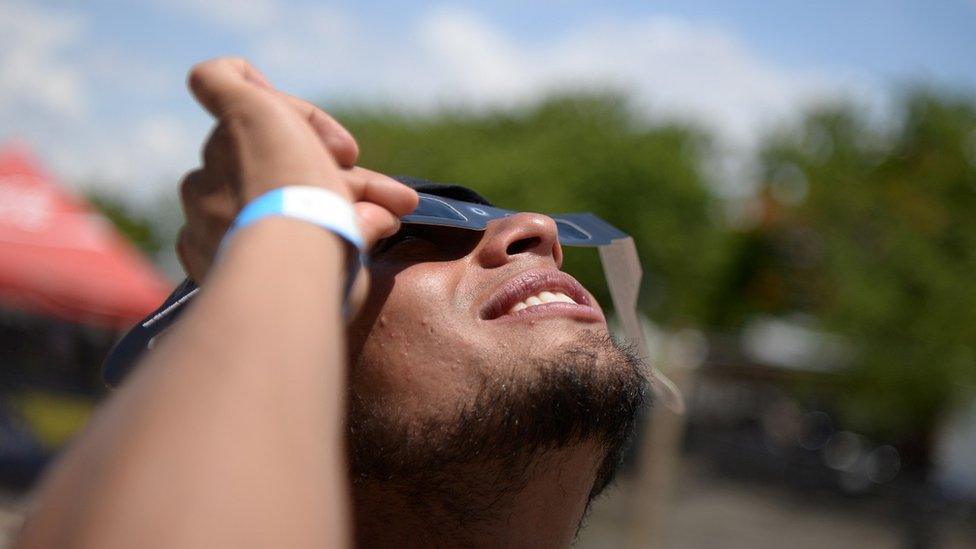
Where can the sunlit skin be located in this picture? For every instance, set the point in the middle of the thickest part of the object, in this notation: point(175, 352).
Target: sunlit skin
point(419, 346)
point(238, 428)
point(421, 331)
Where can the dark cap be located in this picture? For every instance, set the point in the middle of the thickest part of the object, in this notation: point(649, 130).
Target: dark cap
point(447, 190)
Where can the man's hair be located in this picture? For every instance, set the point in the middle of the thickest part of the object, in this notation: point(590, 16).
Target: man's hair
point(447, 190)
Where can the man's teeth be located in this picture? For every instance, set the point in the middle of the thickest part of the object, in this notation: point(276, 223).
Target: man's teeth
point(539, 299)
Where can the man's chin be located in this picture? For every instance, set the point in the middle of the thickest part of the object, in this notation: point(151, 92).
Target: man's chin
point(546, 339)
point(565, 391)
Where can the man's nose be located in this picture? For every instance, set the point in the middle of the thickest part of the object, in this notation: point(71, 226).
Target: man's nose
point(507, 238)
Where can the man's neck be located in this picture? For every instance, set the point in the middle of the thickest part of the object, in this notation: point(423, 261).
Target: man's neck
point(543, 509)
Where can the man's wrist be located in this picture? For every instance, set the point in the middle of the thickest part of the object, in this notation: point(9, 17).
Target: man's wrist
point(323, 208)
point(292, 246)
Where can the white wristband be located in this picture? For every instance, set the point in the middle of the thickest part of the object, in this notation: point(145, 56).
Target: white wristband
point(314, 205)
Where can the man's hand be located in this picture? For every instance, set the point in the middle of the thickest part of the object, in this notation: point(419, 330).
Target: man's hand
point(264, 139)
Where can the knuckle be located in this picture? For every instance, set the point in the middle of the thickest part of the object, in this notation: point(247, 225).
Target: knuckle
point(207, 201)
point(218, 140)
point(201, 73)
point(344, 149)
point(189, 187)
point(218, 211)
point(346, 142)
point(181, 244)
point(204, 70)
point(247, 113)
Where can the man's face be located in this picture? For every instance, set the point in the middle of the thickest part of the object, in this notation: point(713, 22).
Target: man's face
point(440, 316)
point(473, 345)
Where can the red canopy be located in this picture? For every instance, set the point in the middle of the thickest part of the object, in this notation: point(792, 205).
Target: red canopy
point(59, 257)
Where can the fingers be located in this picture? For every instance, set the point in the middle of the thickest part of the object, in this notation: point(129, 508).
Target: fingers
point(214, 153)
point(265, 139)
point(196, 263)
point(207, 202)
point(209, 208)
point(367, 185)
point(375, 222)
point(334, 136)
point(364, 184)
point(219, 84)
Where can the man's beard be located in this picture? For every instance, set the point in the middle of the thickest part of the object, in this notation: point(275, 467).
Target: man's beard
point(591, 390)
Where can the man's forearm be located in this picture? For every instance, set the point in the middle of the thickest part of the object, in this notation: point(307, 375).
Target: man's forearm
point(234, 420)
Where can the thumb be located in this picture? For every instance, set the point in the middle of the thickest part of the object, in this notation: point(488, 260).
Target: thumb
point(220, 83)
point(375, 222)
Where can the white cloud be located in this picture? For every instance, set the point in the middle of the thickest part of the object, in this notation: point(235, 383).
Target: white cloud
point(136, 160)
point(34, 74)
point(474, 60)
point(310, 47)
point(233, 14)
point(161, 135)
point(673, 68)
point(51, 81)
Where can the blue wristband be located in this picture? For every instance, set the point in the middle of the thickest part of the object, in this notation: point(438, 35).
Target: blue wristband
point(312, 204)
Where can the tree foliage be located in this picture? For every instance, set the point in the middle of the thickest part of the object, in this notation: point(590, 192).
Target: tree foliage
point(872, 231)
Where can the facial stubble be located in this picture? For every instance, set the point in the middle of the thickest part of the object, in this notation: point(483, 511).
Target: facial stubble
point(467, 463)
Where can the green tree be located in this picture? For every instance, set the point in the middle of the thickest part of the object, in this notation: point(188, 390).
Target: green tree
point(873, 232)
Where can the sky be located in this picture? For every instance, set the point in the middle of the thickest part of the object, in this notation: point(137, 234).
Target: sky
point(96, 88)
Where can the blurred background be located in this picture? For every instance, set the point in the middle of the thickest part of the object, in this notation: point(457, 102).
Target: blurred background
point(800, 179)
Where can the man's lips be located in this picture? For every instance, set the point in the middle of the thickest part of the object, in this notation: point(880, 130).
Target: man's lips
point(530, 284)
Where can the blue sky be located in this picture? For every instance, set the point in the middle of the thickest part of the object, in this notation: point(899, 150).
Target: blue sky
point(96, 88)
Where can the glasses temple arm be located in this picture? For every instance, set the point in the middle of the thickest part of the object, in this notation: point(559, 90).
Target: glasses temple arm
point(623, 272)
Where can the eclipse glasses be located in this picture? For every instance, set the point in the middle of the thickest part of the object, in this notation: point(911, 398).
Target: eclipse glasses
point(618, 255)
